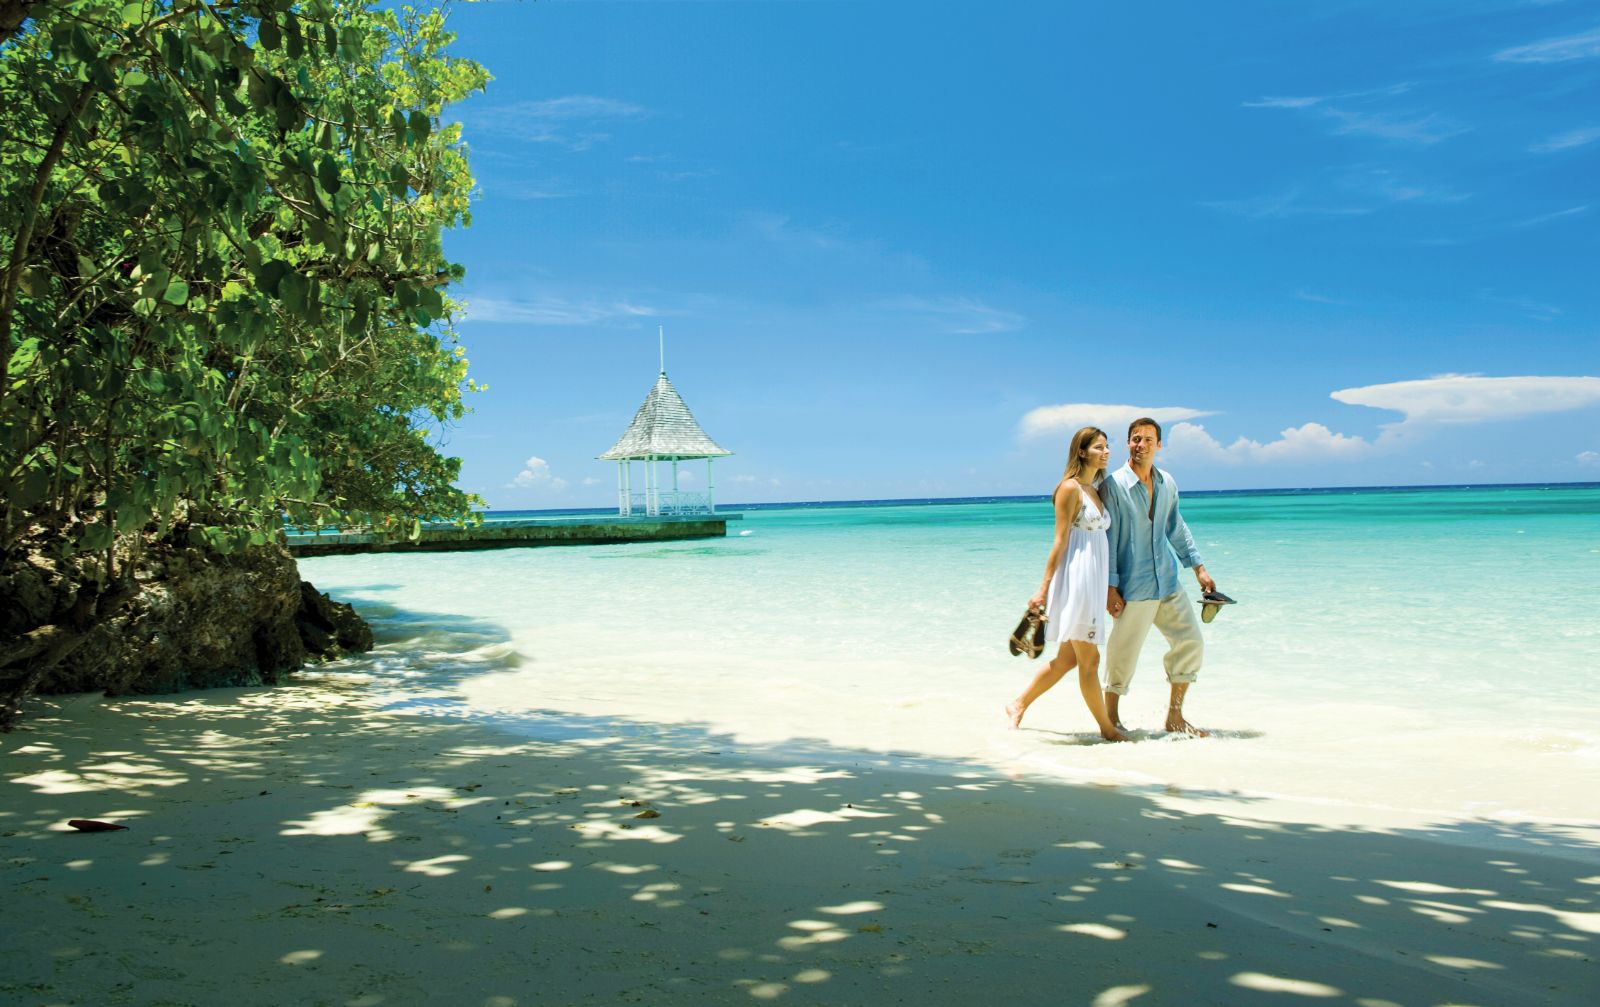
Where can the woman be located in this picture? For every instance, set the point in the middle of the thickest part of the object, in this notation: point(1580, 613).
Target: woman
point(1073, 594)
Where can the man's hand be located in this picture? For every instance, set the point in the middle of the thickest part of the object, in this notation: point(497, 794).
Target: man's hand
point(1114, 603)
point(1206, 583)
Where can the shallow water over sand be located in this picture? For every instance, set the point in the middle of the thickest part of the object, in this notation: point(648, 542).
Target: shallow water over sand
point(1399, 656)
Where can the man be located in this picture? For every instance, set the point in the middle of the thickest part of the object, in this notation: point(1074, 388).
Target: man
point(1147, 539)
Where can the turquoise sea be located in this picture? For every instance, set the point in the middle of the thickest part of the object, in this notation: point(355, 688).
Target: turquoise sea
point(1397, 655)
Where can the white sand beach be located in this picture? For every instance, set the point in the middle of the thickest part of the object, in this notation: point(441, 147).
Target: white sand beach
point(303, 845)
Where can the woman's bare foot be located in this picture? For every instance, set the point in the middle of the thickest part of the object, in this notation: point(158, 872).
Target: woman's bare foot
point(1113, 734)
point(1176, 724)
point(1014, 712)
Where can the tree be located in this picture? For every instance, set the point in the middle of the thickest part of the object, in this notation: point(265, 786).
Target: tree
point(222, 283)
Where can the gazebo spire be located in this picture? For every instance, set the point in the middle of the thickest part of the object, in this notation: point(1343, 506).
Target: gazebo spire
point(662, 429)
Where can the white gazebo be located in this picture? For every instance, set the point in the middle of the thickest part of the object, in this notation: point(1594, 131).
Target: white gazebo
point(663, 430)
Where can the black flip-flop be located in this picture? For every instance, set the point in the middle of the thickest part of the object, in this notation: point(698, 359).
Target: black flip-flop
point(1211, 602)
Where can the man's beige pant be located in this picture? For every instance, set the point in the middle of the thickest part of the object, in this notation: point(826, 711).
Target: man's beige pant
point(1174, 616)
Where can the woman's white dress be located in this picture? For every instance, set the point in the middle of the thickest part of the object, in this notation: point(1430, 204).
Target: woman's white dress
point(1076, 602)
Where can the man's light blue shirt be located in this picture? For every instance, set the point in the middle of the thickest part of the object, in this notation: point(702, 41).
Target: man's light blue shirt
point(1145, 548)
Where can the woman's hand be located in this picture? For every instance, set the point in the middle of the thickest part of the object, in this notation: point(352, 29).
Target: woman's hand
point(1036, 603)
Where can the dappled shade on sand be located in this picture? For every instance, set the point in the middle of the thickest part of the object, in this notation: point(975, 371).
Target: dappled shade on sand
point(301, 845)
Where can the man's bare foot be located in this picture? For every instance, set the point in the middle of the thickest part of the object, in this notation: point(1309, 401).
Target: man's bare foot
point(1119, 725)
point(1178, 725)
point(1014, 712)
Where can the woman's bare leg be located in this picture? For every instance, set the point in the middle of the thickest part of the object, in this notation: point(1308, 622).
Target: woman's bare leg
point(1048, 676)
point(1088, 656)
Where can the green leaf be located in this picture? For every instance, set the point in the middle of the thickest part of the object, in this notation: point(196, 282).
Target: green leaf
point(270, 35)
point(82, 46)
point(32, 488)
point(131, 518)
point(420, 125)
point(240, 56)
point(36, 281)
point(24, 355)
point(96, 537)
point(271, 274)
point(328, 174)
point(292, 291)
point(177, 292)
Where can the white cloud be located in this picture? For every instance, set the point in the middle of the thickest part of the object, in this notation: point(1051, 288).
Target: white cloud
point(1349, 191)
point(1580, 137)
point(1447, 398)
point(1472, 398)
point(1413, 128)
point(960, 316)
point(536, 474)
point(1067, 419)
point(1352, 113)
point(1311, 442)
point(1315, 298)
point(1537, 310)
point(572, 122)
point(1310, 100)
point(556, 311)
point(1545, 218)
point(1553, 50)
point(1289, 203)
point(525, 189)
point(1276, 102)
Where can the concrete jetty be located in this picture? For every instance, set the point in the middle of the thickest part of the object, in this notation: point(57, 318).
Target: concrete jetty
point(517, 534)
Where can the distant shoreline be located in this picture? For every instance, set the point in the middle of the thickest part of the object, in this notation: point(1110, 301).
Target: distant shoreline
point(1032, 497)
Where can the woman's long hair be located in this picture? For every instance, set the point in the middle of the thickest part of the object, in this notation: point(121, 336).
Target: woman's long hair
point(1080, 444)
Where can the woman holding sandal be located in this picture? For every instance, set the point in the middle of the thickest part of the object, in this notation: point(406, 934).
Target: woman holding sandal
point(1073, 594)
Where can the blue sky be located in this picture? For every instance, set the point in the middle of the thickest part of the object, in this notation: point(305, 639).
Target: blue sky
point(904, 249)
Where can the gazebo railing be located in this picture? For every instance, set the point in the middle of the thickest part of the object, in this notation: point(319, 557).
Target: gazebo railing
point(685, 503)
point(670, 503)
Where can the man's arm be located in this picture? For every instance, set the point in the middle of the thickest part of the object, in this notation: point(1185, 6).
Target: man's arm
point(1111, 496)
point(1183, 543)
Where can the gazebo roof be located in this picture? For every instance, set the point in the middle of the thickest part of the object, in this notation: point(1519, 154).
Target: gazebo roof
point(664, 428)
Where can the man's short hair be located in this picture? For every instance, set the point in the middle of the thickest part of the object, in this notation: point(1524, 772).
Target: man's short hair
point(1144, 421)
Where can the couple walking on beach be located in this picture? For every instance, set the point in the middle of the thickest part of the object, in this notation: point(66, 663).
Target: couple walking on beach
point(1118, 540)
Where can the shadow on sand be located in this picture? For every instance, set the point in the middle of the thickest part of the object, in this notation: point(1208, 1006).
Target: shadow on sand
point(299, 845)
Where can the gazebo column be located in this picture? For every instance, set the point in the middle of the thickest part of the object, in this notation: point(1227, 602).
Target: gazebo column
point(711, 486)
point(622, 492)
point(675, 506)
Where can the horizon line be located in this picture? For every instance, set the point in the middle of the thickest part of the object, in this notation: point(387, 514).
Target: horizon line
point(1004, 498)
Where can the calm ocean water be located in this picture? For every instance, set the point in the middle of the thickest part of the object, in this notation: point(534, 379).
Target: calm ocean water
point(1415, 654)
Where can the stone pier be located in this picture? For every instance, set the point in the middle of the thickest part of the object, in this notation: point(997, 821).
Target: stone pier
point(516, 534)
